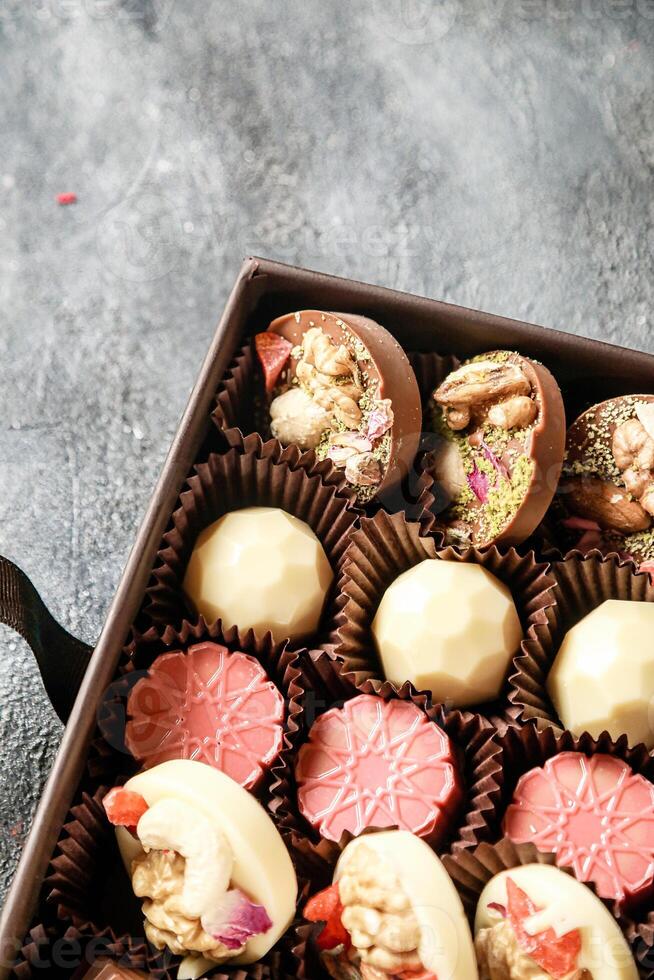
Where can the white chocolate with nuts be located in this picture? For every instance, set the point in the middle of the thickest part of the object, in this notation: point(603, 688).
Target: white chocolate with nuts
point(564, 905)
point(214, 832)
point(402, 909)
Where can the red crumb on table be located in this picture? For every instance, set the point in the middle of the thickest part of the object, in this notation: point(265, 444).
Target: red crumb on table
point(68, 198)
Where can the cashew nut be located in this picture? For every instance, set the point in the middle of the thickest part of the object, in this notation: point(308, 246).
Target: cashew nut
point(514, 413)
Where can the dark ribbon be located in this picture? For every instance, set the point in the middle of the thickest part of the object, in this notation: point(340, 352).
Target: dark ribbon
point(62, 658)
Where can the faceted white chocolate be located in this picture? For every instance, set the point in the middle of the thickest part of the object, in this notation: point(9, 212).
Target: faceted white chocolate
point(260, 568)
point(564, 904)
point(603, 675)
point(450, 628)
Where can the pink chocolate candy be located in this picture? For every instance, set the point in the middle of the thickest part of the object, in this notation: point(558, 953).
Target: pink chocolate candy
point(209, 705)
point(376, 763)
point(596, 815)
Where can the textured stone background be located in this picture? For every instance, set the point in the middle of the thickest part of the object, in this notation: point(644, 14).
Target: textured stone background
point(495, 154)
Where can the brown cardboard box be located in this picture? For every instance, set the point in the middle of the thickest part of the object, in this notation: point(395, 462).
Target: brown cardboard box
point(587, 371)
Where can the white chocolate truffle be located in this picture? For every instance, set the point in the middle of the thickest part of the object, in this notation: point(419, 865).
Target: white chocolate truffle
point(603, 675)
point(262, 867)
point(450, 628)
point(260, 568)
point(566, 904)
point(296, 417)
point(445, 943)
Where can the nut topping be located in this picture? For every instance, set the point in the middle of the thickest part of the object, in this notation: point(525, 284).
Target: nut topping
point(605, 502)
point(476, 384)
point(514, 413)
point(378, 915)
point(632, 446)
point(500, 957)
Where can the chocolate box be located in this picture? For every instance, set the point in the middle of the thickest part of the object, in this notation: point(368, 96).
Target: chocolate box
point(587, 371)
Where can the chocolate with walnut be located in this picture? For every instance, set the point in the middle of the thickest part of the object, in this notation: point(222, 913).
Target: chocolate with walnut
point(346, 390)
point(606, 498)
point(501, 420)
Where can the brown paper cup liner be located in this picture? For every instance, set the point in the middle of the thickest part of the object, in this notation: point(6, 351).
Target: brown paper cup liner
point(109, 759)
point(229, 482)
point(582, 584)
point(239, 402)
point(48, 952)
point(384, 547)
point(472, 870)
point(480, 759)
point(88, 887)
point(430, 370)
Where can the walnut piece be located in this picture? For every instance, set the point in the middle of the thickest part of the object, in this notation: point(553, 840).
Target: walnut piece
point(327, 357)
point(378, 915)
point(605, 502)
point(500, 957)
point(632, 446)
point(474, 385)
point(158, 877)
point(514, 413)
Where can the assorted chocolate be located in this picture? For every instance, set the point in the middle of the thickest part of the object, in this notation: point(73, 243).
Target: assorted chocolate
point(450, 628)
point(376, 763)
point(341, 385)
point(211, 705)
point(596, 815)
point(260, 569)
point(215, 876)
point(501, 422)
point(606, 497)
point(217, 852)
point(534, 921)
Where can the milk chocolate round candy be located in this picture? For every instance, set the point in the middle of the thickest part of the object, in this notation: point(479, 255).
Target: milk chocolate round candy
point(602, 678)
point(260, 568)
point(209, 862)
point(399, 911)
point(535, 918)
point(606, 497)
point(501, 420)
point(342, 385)
point(450, 628)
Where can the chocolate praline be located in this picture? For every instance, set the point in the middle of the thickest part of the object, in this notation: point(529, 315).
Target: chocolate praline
point(347, 390)
point(501, 422)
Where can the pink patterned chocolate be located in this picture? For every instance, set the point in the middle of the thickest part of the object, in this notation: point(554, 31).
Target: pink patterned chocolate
point(596, 815)
point(209, 705)
point(376, 763)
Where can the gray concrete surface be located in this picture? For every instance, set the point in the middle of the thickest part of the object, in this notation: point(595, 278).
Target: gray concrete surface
point(496, 154)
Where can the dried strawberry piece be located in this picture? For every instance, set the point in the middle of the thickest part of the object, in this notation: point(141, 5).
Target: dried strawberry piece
point(557, 955)
point(417, 975)
point(327, 907)
point(273, 352)
point(124, 808)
